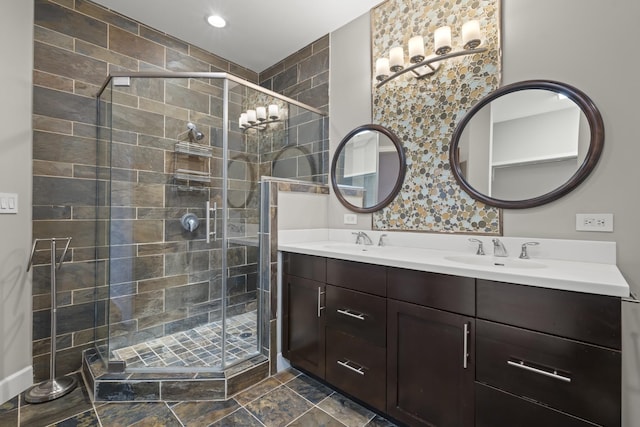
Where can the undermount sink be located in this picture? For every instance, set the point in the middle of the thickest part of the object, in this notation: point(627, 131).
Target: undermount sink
point(491, 261)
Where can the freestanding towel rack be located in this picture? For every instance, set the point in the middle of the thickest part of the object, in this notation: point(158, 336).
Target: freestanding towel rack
point(52, 388)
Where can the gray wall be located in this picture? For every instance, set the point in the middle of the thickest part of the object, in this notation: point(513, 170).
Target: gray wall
point(350, 94)
point(538, 44)
point(16, 42)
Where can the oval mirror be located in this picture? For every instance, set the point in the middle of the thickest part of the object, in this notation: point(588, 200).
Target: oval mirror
point(368, 168)
point(527, 144)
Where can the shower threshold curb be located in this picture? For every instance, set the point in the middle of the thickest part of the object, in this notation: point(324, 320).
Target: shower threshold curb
point(107, 386)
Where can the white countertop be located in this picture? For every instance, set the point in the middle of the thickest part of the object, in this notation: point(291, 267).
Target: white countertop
point(602, 278)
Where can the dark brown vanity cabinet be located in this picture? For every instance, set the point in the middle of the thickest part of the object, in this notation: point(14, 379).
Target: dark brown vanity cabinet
point(303, 300)
point(439, 350)
point(553, 354)
point(430, 348)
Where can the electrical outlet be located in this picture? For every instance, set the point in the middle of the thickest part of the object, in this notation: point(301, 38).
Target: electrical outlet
point(594, 222)
point(350, 219)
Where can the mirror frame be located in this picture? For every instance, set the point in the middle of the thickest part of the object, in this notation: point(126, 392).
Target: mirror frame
point(596, 145)
point(401, 173)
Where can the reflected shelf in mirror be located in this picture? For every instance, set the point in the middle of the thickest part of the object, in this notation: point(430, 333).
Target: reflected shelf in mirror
point(527, 144)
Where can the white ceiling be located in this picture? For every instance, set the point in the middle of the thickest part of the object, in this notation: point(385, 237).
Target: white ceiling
point(259, 33)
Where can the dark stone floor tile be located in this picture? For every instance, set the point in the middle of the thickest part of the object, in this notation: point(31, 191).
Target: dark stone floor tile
point(278, 407)
point(379, 421)
point(310, 389)
point(316, 418)
point(139, 414)
point(347, 411)
point(241, 417)
point(43, 414)
point(203, 413)
point(9, 418)
point(86, 419)
point(257, 390)
point(286, 375)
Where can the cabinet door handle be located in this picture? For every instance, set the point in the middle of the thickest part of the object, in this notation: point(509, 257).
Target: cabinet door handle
point(347, 312)
point(465, 346)
point(320, 308)
point(553, 374)
point(345, 364)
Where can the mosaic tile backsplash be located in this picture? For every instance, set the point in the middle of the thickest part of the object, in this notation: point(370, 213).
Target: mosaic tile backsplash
point(424, 113)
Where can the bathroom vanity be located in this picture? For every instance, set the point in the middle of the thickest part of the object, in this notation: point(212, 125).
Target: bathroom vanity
point(457, 346)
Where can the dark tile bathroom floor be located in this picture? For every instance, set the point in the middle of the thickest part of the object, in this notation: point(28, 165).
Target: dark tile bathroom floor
point(286, 399)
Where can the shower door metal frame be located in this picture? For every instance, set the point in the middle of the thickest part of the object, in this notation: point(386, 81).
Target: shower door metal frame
point(120, 366)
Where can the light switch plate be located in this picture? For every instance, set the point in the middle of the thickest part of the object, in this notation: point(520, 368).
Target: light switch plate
point(8, 203)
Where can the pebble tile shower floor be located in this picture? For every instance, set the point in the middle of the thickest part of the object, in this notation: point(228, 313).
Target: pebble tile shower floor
point(288, 398)
point(200, 346)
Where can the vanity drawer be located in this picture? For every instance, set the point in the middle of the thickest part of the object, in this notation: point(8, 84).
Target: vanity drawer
point(578, 378)
point(307, 266)
point(358, 276)
point(357, 313)
point(497, 408)
point(586, 317)
point(357, 367)
point(442, 291)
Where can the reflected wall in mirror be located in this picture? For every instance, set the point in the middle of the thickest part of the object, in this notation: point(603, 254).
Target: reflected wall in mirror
point(527, 144)
point(368, 168)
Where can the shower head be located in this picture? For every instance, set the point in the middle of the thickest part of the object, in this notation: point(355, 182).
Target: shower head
point(194, 133)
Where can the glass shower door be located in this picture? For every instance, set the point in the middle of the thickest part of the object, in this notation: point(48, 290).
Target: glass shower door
point(166, 279)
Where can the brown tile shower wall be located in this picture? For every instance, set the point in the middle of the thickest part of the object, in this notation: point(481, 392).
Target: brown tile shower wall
point(77, 43)
point(303, 76)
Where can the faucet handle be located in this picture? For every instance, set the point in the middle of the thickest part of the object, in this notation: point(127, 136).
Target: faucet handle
point(358, 235)
point(523, 253)
point(480, 250)
point(381, 240)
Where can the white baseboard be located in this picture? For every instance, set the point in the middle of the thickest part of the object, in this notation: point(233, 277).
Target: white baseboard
point(282, 363)
point(15, 384)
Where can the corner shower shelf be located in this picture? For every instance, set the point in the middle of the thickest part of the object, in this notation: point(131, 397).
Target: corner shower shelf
point(194, 149)
point(192, 180)
point(189, 175)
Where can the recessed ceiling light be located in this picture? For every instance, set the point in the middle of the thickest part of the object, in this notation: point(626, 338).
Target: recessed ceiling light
point(216, 21)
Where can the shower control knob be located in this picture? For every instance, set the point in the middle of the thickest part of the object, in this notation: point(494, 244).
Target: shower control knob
point(190, 222)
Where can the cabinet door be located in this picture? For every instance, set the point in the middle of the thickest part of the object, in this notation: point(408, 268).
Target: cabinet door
point(303, 323)
point(430, 367)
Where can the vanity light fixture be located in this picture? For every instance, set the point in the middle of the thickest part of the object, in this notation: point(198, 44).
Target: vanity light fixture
point(259, 118)
point(216, 21)
point(422, 66)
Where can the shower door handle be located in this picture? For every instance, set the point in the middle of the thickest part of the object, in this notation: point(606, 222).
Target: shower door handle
point(211, 210)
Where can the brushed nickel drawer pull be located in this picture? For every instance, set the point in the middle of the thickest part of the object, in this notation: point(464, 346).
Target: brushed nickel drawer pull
point(346, 365)
point(347, 312)
point(553, 374)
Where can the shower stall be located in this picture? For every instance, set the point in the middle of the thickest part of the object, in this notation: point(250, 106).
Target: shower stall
point(182, 229)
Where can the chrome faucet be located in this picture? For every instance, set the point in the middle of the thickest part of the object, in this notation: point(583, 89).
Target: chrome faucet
point(523, 253)
point(498, 248)
point(362, 238)
point(381, 240)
